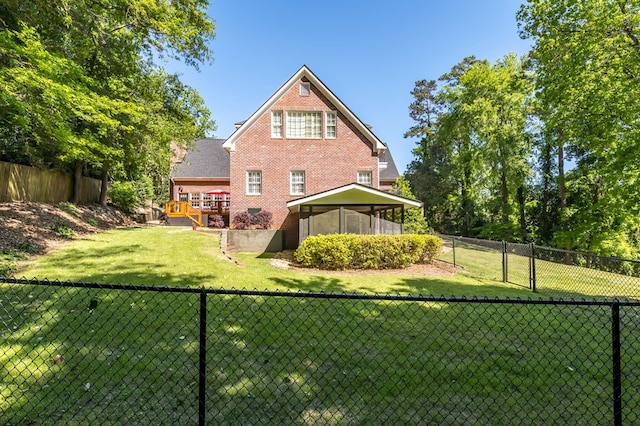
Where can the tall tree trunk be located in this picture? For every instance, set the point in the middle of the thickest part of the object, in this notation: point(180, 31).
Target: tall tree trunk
point(545, 223)
point(504, 190)
point(77, 182)
point(523, 219)
point(104, 187)
point(561, 181)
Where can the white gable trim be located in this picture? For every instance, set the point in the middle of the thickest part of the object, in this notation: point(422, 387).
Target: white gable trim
point(377, 144)
point(364, 194)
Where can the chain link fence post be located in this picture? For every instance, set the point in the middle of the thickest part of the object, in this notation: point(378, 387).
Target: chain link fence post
point(504, 262)
point(615, 355)
point(532, 268)
point(453, 245)
point(202, 376)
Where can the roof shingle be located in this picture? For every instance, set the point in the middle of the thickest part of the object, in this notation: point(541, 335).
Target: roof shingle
point(206, 159)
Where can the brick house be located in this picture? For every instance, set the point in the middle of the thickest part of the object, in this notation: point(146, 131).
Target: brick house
point(305, 157)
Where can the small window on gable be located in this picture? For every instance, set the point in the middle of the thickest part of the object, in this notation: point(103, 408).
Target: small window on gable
point(305, 89)
point(276, 124)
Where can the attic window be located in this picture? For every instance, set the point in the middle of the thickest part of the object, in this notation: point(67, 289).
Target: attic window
point(305, 89)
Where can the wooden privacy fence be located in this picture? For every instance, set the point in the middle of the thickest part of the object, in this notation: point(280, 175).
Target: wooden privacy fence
point(23, 183)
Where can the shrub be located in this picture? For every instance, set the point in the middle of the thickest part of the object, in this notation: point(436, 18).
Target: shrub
point(432, 248)
point(216, 221)
point(242, 220)
point(342, 251)
point(63, 230)
point(124, 195)
point(325, 252)
point(245, 220)
point(263, 219)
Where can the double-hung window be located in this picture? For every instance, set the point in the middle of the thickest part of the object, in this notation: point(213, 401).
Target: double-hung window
point(254, 182)
point(296, 179)
point(364, 178)
point(330, 125)
point(276, 124)
point(304, 125)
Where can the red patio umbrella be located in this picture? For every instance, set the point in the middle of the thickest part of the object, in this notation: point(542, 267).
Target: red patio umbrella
point(217, 192)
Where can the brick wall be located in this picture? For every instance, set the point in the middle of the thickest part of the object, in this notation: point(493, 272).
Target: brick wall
point(327, 163)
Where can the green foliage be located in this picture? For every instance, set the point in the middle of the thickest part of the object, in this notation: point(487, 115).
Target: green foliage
point(588, 95)
point(78, 85)
point(414, 220)
point(471, 164)
point(64, 230)
point(125, 195)
point(91, 221)
point(350, 251)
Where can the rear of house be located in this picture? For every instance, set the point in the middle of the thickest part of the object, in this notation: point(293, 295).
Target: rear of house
point(307, 159)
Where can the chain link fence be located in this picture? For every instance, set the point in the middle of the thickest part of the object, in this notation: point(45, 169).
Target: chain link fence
point(94, 354)
point(548, 271)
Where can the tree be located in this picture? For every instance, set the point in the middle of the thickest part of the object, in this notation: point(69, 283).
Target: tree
point(414, 220)
point(587, 58)
point(112, 108)
point(474, 145)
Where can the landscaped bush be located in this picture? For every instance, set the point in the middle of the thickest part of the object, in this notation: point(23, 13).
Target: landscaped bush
point(242, 220)
point(263, 219)
point(216, 221)
point(349, 251)
point(245, 220)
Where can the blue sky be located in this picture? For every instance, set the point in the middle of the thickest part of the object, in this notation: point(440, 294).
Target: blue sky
point(369, 53)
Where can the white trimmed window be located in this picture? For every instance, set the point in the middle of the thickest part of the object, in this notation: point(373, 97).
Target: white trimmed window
point(206, 201)
point(276, 124)
point(195, 200)
point(330, 125)
point(254, 182)
point(296, 179)
point(304, 125)
point(364, 178)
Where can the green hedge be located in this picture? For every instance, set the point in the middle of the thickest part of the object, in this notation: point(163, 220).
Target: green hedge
point(350, 251)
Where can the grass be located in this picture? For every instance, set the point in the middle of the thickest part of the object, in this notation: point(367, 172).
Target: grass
point(552, 279)
point(132, 357)
point(181, 257)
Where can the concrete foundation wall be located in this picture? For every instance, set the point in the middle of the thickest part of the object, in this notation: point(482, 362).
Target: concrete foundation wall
point(256, 240)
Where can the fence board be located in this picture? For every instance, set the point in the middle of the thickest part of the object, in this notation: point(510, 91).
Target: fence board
point(24, 183)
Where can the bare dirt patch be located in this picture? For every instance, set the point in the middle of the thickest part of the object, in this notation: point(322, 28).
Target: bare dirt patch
point(285, 260)
point(29, 224)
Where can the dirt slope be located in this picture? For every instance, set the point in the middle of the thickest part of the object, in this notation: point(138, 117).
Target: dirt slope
point(31, 225)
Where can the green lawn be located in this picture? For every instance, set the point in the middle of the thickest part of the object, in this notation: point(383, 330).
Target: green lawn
point(180, 257)
point(552, 279)
point(131, 358)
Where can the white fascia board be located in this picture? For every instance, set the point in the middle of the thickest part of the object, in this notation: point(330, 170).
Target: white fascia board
point(360, 193)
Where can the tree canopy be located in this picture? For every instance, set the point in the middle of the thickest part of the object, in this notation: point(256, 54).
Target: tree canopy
point(80, 89)
point(544, 148)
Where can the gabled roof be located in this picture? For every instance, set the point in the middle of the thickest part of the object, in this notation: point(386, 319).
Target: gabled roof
point(390, 173)
point(304, 71)
point(206, 159)
point(352, 193)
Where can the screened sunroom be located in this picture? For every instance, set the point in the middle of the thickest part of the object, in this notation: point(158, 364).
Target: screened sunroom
point(351, 209)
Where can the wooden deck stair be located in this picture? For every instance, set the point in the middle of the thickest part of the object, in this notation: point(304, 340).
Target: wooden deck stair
point(183, 209)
